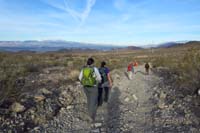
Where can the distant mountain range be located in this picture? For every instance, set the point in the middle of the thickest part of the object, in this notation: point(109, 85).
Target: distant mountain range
point(49, 45)
point(129, 48)
point(64, 46)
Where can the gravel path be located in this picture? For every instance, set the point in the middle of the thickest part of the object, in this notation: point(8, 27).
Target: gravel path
point(135, 106)
point(128, 110)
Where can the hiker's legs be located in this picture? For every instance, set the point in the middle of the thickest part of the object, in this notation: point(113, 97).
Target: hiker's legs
point(100, 92)
point(106, 94)
point(133, 70)
point(130, 75)
point(147, 70)
point(87, 93)
point(92, 97)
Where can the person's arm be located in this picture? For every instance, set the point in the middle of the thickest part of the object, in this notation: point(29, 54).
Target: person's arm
point(110, 80)
point(81, 75)
point(98, 76)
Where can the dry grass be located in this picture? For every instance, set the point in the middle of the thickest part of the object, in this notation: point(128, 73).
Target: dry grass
point(186, 67)
point(73, 75)
point(18, 65)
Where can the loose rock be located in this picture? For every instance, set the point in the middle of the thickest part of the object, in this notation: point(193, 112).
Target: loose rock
point(17, 107)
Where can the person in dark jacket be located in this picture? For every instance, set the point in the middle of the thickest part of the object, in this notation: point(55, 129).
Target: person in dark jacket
point(147, 68)
point(105, 85)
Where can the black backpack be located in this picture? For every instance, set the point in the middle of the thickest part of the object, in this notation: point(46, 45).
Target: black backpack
point(147, 66)
point(103, 73)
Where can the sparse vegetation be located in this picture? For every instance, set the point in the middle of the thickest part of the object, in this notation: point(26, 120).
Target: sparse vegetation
point(14, 66)
point(186, 68)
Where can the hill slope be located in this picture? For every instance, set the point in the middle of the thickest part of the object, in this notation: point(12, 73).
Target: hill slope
point(179, 44)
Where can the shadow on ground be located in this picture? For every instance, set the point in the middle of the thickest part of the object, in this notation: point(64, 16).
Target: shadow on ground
point(113, 109)
point(140, 72)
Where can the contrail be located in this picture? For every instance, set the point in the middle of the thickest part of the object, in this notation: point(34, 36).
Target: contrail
point(78, 16)
point(81, 16)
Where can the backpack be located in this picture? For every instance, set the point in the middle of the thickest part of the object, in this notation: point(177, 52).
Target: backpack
point(103, 73)
point(88, 78)
point(135, 64)
point(146, 66)
point(130, 66)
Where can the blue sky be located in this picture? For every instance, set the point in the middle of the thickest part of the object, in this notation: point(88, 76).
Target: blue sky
point(119, 22)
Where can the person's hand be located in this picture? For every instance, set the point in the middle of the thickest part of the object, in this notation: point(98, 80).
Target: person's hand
point(111, 85)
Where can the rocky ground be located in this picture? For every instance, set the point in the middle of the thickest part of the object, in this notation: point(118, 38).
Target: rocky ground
point(148, 103)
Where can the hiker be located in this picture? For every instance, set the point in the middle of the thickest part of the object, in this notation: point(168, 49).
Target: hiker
point(147, 68)
point(135, 63)
point(105, 85)
point(90, 77)
point(130, 70)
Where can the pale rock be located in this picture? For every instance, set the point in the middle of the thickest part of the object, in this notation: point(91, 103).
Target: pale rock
point(95, 131)
point(45, 91)
point(162, 95)
point(17, 107)
point(46, 71)
point(36, 128)
point(134, 97)
point(155, 88)
point(156, 95)
point(69, 107)
point(98, 124)
point(127, 99)
point(39, 98)
point(162, 105)
point(117, 76)
point(22, 124)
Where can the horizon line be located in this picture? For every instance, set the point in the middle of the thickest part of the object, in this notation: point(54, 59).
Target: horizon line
point(100, 43)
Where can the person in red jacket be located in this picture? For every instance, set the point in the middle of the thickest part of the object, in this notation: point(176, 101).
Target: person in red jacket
point(130, 70)
point(135, 63)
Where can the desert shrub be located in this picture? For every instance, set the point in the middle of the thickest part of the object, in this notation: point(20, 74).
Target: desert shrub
point(32, 68)
point(13, 67)
point(189, 70)
point(186, 67)
point(164, 62)
point(73, 75)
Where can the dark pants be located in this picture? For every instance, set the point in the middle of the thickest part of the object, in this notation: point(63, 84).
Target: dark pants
point(103, 94)
point(147, 70)
point(92, 100)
